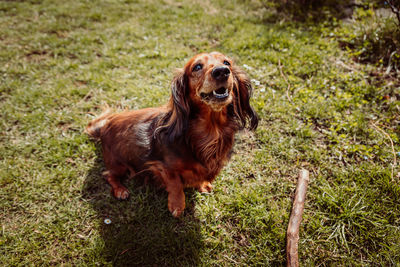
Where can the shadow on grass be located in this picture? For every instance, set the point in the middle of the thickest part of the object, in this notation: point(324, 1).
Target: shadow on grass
point(142, 231)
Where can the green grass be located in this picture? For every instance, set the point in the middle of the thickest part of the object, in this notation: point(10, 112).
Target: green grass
point(60, 61)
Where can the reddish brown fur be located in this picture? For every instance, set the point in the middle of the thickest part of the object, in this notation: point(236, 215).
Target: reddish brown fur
point(185, 143)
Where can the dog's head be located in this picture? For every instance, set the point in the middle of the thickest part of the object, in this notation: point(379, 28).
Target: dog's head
point(211, 82)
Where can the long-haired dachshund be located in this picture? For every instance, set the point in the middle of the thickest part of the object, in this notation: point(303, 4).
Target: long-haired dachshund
point(186, 142)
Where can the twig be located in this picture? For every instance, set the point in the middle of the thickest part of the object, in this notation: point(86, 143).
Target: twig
point(341, 63)
point(389, 67)
point(395, 9)
point(123, 252)
point(295, 219)
point(376, 127)
point(286, 80)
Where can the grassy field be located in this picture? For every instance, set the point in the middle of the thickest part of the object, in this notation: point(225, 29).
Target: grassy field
point(60, 61)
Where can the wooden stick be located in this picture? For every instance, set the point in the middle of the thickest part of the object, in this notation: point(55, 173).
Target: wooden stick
point(295, 219)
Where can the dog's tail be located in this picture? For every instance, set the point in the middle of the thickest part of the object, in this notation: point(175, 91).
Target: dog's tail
point(94, 127)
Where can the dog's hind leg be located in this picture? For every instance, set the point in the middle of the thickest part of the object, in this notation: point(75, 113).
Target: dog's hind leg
point(115, 171)
point(117, 188)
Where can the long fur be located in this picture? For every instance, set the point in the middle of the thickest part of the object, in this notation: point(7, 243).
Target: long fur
point(183, 144)
point(94, 127)
point(175, 121)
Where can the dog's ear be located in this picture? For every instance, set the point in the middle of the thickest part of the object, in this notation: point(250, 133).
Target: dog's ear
point(175, 121)
point(180, 107)
point(243, 91)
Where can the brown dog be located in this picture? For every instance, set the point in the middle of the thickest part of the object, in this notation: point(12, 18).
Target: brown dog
point(186, 142)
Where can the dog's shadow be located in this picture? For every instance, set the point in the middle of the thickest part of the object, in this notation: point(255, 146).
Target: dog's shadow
point(140, 231)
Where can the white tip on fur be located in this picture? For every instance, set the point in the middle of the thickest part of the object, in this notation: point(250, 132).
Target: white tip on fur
point(94, 127)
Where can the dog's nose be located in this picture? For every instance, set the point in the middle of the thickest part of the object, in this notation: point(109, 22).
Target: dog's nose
point(220, 73)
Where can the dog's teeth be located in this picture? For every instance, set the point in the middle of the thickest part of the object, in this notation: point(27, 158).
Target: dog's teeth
point(225, 94)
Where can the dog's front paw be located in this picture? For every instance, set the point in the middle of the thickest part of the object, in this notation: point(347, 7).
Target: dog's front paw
point(120, 193)
point(206, 187)
point(176, 204)
point(176, 213)
point(176, 209)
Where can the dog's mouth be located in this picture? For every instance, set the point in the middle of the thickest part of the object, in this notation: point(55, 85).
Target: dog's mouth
point(219, 94)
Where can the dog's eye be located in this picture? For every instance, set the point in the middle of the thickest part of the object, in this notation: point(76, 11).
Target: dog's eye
point(197, 67)
point(227, 63)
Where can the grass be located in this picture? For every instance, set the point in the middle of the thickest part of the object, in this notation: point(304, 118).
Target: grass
point(62, 60)
point(374, 38)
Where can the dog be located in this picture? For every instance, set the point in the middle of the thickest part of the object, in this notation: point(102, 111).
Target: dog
point(186, 142)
